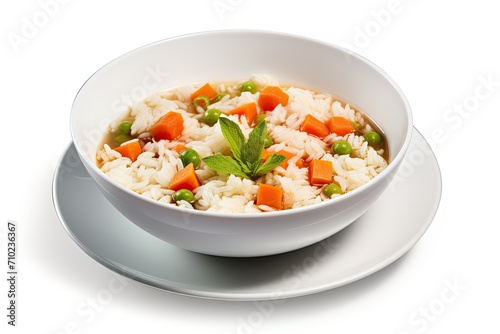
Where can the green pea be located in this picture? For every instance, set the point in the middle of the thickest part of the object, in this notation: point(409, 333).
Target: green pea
point(183, 195)
point(342, 147)
point(120, 138)
point(125, 127)
point(356, 125)
point(259, 119)
point(211, 116)
point(201, 101)
point(248, 87)
point(218, 97)
point(373, 138)
point(268, 141)
point(332, 189)
point(188, 156)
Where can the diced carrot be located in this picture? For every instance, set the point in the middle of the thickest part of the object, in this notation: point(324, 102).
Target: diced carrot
point(179, 148)
point(320, 172)
point(266, 154)
point(340, 125)
point(130, 150)
point(206, 90)
point(288, 155)
point(300, 163)
point(185, 179)
point(272, 96)
point(169, 126)
point(314, 126)
point(270, 195)
point(249, 110)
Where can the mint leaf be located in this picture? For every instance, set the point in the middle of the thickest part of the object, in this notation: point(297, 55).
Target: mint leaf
point(272, 162)
point(252, 150)
point(233, 135)
point(247, 162)
point(224, 164)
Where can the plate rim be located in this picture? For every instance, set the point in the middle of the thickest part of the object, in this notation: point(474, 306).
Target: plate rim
point(254, 296)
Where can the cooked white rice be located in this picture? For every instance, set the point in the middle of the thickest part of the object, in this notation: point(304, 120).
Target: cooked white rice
point(152, 172)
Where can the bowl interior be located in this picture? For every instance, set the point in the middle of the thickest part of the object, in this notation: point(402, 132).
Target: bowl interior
point(232, 55)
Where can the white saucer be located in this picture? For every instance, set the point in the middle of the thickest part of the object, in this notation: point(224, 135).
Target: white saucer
point(381, 236)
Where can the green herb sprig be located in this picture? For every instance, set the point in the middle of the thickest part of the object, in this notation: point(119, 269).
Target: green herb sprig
point(247, 155)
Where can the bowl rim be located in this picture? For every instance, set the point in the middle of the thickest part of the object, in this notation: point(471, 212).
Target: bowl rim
point(381, 177)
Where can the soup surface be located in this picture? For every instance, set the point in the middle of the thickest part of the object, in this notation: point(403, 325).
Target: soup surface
point(253, 145)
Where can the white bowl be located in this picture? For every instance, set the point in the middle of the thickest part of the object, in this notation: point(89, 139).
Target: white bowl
point(233, 55)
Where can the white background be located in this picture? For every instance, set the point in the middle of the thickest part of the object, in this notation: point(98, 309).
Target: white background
point(440, 53)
